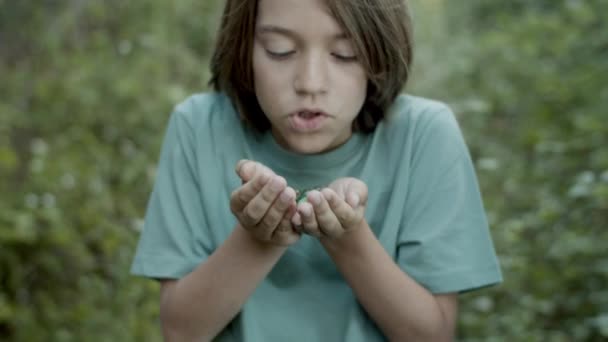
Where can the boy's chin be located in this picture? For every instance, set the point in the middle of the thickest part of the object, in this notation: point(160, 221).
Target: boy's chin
point(310, 146)
point(307, 150)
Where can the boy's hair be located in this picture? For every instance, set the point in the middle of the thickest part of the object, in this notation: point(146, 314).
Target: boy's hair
point(380, 31)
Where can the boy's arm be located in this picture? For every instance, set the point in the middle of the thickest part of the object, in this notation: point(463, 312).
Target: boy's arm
point(403, 309)
point(198, 306)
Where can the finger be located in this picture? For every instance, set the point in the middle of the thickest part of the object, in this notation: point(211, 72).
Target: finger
point(353, 199)
point(346, 215)
point(239, 168)
point(309, 221)
point(284, 228)
point(356, 193)
point(277, 211)
point(241, 197)
point(326, 219)
point(296, 221)
point(248, 169)
point(245, 169)
point(256, 209)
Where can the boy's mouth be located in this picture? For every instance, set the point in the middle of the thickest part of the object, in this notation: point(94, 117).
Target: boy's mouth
point(306, 121)
point(308, 115)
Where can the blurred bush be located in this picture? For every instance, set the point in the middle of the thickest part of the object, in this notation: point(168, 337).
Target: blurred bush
point(87, 87)
point(528, 80)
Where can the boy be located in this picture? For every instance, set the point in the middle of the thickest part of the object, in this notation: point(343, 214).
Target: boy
point(395, 228)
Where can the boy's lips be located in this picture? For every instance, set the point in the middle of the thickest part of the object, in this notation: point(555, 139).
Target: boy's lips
point(307, 121)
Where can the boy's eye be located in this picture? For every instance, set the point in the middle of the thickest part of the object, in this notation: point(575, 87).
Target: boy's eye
point(279, 55)
point(283, 55)
point(345, 58)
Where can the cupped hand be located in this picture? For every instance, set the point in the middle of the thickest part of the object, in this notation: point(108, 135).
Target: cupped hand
point(334, 210)
point(264, 205)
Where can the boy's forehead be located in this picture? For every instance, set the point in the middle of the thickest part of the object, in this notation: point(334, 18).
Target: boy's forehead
point(292, 16)
point(293, 5)
point(284, 31)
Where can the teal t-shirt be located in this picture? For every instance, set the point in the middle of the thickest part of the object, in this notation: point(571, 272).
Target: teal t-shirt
point(424, 207)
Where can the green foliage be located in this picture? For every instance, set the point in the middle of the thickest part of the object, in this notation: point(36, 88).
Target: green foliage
point(528, 81)
point(87, 88)
point(86, 91)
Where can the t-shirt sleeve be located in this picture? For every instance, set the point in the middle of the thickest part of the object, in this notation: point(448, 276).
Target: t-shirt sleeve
point(174, 216)
point(445, 243)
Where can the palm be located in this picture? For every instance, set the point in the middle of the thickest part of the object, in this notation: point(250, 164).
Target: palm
point(346, 185)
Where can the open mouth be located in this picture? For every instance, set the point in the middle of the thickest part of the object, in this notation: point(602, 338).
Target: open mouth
point(307, 121)
point(309, 115)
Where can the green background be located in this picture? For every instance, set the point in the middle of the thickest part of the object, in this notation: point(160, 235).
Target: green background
point(86, 88)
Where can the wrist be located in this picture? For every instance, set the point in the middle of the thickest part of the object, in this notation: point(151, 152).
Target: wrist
point(349, 241)
point(256, 244)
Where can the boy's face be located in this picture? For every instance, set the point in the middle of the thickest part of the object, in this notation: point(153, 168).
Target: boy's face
point(306, 74)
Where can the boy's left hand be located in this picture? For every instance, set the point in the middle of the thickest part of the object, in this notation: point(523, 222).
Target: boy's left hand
point(334, 210)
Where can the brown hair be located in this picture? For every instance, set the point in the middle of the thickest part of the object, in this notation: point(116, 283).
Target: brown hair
point(381, 33)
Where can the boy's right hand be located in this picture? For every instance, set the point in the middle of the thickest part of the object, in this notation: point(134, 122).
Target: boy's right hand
point(264, 204)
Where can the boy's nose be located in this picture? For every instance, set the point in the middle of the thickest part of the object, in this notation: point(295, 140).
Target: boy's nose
point(311, 76)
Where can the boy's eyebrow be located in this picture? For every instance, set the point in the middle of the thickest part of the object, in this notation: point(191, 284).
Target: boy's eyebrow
point(275, 29)
point(262, 29)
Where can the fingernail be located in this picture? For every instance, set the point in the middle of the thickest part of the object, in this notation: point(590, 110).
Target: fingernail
point(246, 167)
point(277, 184)
point(296, 220)
point(306, 211)
point(328, 195)
point(355, 201)
point(314, 198)
point(264, 177)
point(285, 196)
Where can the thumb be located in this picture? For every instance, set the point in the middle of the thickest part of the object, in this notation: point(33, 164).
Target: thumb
point(353, 199)
point(356, 194)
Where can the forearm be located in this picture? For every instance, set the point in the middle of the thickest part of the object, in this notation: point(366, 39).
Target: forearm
point(200, 305)
point(403, 309)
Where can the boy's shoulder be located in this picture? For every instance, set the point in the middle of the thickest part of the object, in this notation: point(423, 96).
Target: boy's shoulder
point(417, 108)
point(205, 108)
point(419, 116)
